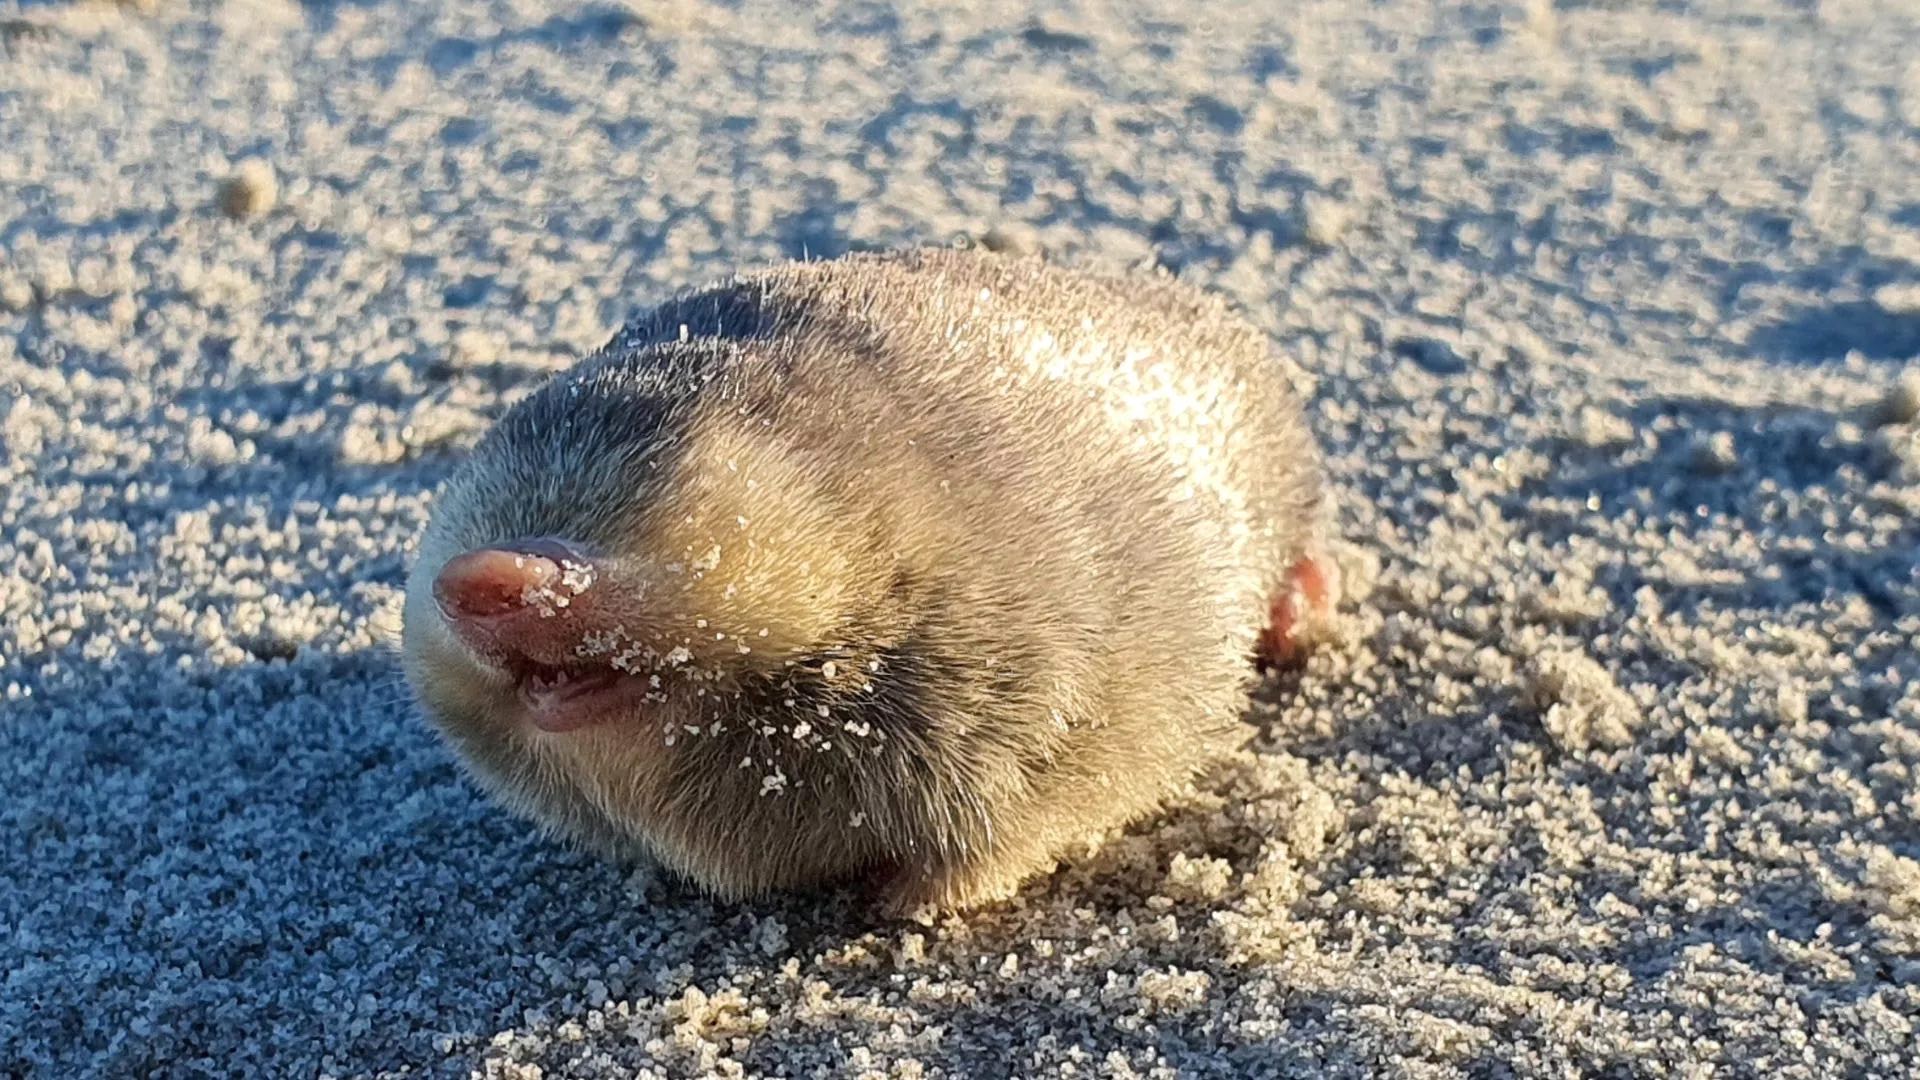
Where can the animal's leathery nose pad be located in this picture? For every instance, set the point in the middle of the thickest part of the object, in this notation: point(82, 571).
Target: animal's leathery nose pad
point(538, 615)
point(527, 578)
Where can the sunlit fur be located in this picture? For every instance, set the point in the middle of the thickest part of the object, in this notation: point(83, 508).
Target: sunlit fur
point(997, 540)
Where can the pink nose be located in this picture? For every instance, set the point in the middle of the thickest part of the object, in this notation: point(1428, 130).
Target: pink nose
point(489, 583)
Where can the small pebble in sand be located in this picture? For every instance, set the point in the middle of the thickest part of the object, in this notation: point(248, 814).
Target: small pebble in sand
point(1790, 704)
point(1325, 220)
point(250, 191)
point(1173, 990)
point(1569, 599)
point(1198, 878)
point(1902, 403)
point(1010, 240)
point(15, 294)
point(1581, 705)
point(1892, 884)
point(1597, 429)
point(1713, 454)
point(1902, 298)
point(473, 348)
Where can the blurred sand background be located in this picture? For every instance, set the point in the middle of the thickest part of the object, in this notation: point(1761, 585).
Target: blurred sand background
point(1612, 311)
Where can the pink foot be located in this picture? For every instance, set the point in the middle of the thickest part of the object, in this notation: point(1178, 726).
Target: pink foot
point(1309, 596)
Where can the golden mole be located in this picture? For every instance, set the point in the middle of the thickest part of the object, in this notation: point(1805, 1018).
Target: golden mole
point(914, 567)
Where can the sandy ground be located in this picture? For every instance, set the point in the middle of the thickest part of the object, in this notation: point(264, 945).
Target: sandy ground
point(1613, 769)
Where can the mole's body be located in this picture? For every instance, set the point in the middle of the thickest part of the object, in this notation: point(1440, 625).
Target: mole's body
point(921, 565)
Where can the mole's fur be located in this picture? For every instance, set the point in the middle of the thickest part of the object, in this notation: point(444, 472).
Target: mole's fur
point(922, 566)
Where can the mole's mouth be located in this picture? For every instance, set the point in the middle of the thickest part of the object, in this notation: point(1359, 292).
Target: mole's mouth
point(565, 699)
point(524, 609)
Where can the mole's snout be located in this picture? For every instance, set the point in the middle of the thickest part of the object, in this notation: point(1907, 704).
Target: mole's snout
point(511, 598)
point(500, 581)
point(529, 608)
point(538, 577)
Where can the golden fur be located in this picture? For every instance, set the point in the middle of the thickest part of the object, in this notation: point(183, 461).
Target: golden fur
point(944, 562)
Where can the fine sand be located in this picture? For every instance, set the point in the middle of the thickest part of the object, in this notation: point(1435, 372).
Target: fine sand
point(1611, 314)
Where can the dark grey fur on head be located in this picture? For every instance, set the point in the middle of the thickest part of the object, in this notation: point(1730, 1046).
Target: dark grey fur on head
point(1007, 532)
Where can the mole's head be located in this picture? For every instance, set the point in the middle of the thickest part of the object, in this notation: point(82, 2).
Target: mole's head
point(629, 556)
